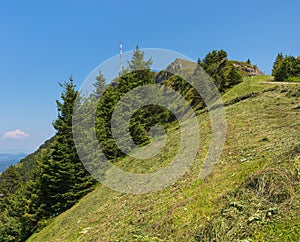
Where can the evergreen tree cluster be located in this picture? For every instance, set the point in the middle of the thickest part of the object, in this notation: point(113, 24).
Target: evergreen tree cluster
point(286, 68)
point(224, 73)
point(58, 179)
point(138, 74)
point(184, 88)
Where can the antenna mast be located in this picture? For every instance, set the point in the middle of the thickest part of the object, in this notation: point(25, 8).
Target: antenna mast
point(121, 63)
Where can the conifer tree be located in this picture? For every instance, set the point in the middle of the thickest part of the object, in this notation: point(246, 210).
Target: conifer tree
point(9, 181)
point(277, 63)
point(99, 85)
point(138, 74)
point(64, 179)
point(137, 62)
point(286, 68)
point(221, 70)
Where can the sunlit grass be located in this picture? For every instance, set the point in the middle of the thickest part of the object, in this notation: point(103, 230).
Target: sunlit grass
point(260, 131)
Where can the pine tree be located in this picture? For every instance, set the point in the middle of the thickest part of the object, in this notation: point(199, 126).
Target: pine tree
point(99, 85)
point(139, 74)
point(277, 63)
point(64, 179)
point(221, 70)
point(233, 77)
point(213, 59)
point(58, 181)
point(9, 181)
point(138, 62)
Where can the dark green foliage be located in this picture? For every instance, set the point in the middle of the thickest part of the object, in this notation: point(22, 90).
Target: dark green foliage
point(139, 74)
point(53, 179)
point(107, 105)
point(10, 227)
point(27, 165)
point(56, 181)
point(64, 179)
point(286, 68)
point(99, 86)
point(9, 181)
point(186, 90)
point(233, 77)
point(277, 64)
point(12, 220)
point(138, 62)
point(60, 179)
point(144, 119)
point(221, 70)
point(213, 59)
point(20, 208)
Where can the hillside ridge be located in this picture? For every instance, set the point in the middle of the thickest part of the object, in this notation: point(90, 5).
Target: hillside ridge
point(236, 202)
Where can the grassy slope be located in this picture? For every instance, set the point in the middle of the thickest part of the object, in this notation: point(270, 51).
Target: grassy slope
point(261, 131)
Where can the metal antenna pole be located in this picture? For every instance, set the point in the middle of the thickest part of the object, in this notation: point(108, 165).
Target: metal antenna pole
point(121, 53)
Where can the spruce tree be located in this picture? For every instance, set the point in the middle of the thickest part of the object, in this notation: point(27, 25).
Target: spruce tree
point(64, 179)
point(223, 72)
point(138, 74)
point(137, 62)
point(277, 64)
point(9, 181)
point(99, 85)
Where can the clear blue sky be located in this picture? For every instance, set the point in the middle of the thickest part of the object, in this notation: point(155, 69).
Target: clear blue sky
point(43, 42)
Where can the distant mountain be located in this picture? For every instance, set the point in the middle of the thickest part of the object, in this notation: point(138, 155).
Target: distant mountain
point(10, 159)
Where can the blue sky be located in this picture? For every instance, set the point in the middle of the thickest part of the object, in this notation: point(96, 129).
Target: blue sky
point(44, 42)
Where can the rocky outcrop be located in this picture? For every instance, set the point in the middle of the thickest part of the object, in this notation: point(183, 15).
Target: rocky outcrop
point(180, 66)
point(247, 69)
point(175, 67)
